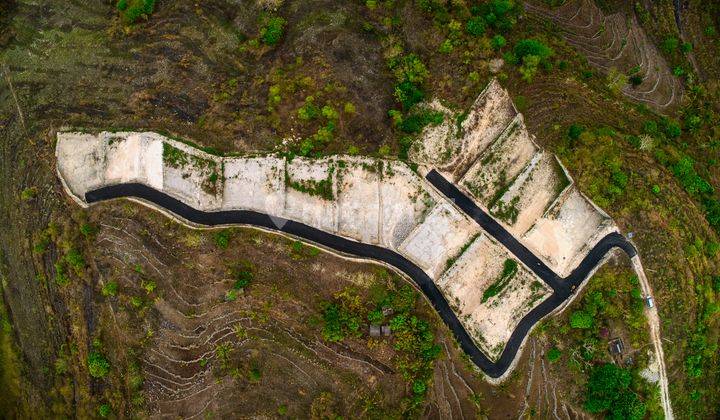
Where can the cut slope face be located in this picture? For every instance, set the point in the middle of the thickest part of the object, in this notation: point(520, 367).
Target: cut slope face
point(615, 41)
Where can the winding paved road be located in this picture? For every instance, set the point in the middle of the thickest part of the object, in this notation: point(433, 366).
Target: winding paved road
point(562, 288)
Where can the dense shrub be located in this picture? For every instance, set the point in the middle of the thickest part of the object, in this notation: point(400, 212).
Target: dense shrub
point(98, 365)
point(581, 320)
point(476, 26)
point(132, 10)
point(608, 390)
point(271, 33)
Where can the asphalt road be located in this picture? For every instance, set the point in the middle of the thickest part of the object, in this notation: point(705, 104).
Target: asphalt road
point(562, 288)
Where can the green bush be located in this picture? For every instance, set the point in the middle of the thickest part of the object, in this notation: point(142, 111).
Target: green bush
point(581, 320)
point(110, 289)
point(497, 42)
point(608, 390)
point(98, 365)
point(271, 33)
point(670, 44)
point(132, 10)
point(476, 26)
point(415, 123)
point(553, 354)
point(533, 47)
point(222, 238)
point(104, 410)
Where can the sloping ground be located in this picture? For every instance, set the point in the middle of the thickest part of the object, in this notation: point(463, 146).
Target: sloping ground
point(526, 189)
point(615, 42)
point(202, 355)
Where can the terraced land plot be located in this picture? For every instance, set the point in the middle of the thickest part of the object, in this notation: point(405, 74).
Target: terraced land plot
point(491, 292)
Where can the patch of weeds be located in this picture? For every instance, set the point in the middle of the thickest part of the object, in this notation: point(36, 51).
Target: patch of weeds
point(510, 268)
point(222, 238)
point(110, 289)
point(322, 188)
point(174, 157)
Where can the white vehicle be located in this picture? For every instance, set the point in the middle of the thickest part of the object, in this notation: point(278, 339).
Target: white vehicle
point(649, 301)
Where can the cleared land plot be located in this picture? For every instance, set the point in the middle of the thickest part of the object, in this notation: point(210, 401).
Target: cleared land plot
point(570, 228)
point(358, 204)
point(498, 166)
point(532, 193)
point(404, 202)
point(491, 293)
point(490, 114)
point(440, 143)
point(310, 193)
point(439, 238)
point(81, 161)
point(254, 183)
point(194, 178)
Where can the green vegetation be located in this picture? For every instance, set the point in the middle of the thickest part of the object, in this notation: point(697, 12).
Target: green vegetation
point(98, 365)
point(322, 188)
point(272, 31)
point(510, 268)
point(110, 288)
point(222, 238)
point(581, 320)
point(410, 73)
point(349, 315)
point(174, 157)
point(530, 54)
point(608, 391)
point(416, 121)
point(133, 10)
point(553, 355)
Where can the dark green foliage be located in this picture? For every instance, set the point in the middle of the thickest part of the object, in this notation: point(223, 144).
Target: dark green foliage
point(670, 45)
point(87, 230)
point(476, 26)
point(636, 80)
point(608, 390)
point(243, 275)
point(132, 10)
point(685, 172)
point(414, 123)
point(500, 15)
point(497, 42)
point(553, 355)
point(533, 47)
point(98, 365)
point(581, 320)
point(222, 238)
point(574, 131)
point(510, 267)
point(272, 32)
point(104, 410)
point(410, 73)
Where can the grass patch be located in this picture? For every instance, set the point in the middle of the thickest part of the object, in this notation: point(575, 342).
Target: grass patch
point(510, 268)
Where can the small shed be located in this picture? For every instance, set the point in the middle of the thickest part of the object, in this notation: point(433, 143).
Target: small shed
point(386, 330)
point(616, 346)
point(374, 331)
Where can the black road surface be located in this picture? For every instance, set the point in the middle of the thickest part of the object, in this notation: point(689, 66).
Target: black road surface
point(562, 287)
